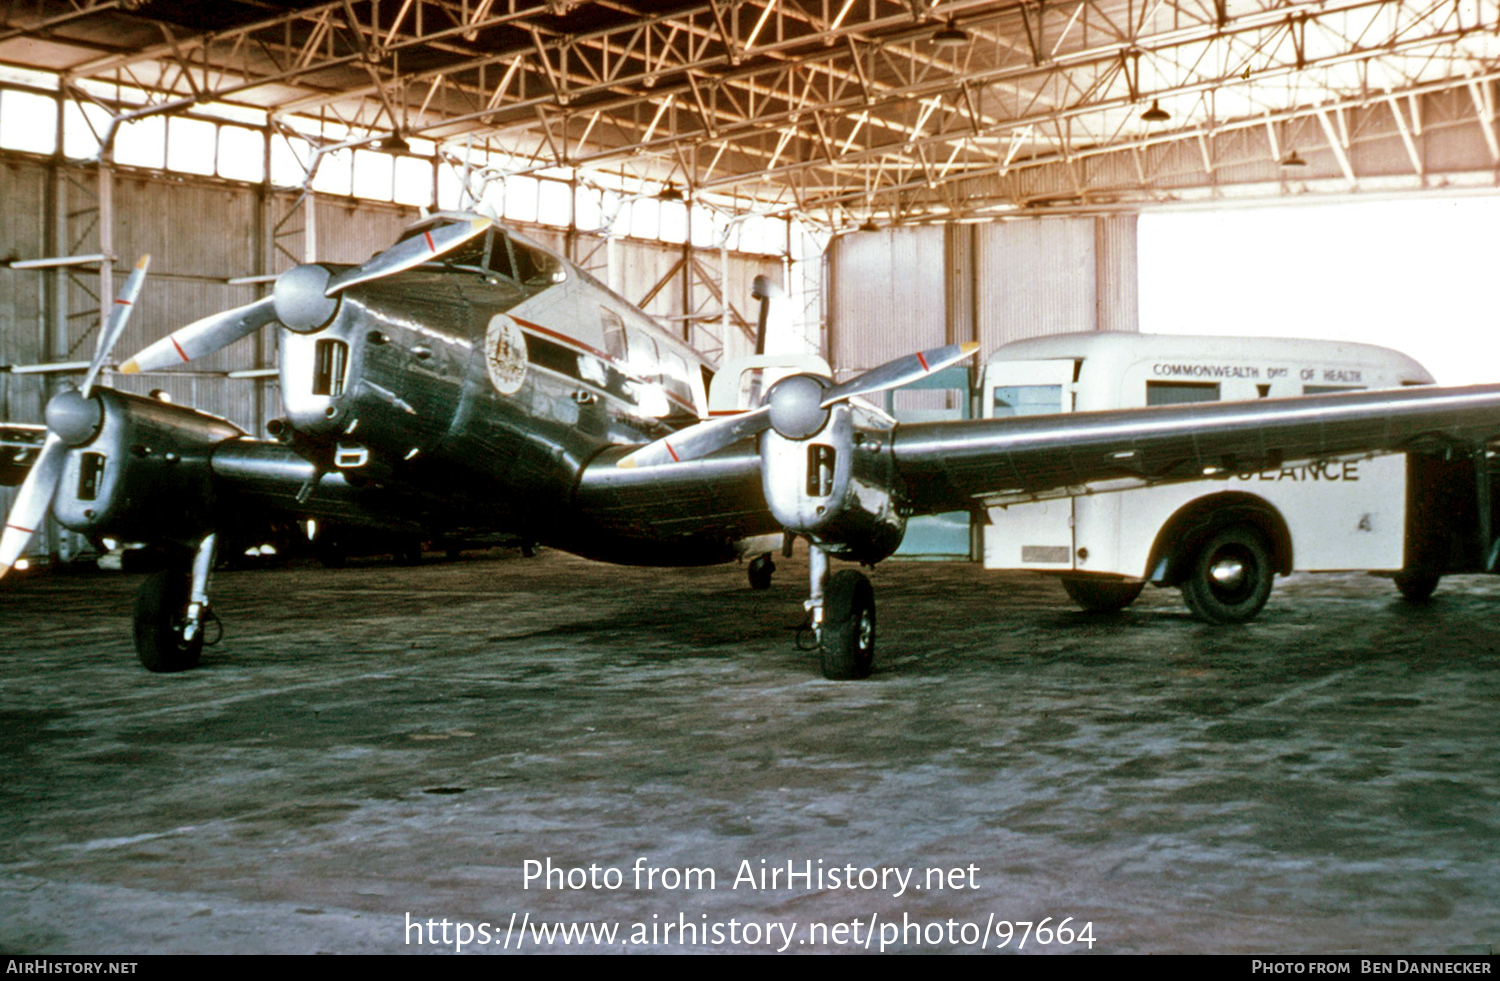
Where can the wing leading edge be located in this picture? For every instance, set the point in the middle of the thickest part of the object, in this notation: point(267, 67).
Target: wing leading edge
point(953, 465)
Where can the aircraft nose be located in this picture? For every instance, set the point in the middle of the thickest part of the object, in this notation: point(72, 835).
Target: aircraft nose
point(73, 417)
point(301, 299)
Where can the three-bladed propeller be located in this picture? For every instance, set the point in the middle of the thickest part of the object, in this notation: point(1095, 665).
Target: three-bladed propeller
point(304, 298)
point(68, 424)
point(795, 406)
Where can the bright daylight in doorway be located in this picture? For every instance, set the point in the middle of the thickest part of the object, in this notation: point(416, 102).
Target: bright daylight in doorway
point(1415, 275)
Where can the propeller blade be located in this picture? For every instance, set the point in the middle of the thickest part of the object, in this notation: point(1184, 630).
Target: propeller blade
point(409, 253)
point(212, 333)
point(32, 501)
point(700, 439)
point(902, 371)
point(124, 304)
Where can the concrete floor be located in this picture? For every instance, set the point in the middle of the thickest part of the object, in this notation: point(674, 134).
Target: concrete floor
point(377, 742)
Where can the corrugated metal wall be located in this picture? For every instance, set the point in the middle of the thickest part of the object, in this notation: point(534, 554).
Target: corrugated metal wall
point(904, 289)
point(887, 296)
point(1116, 273)
point(23, 303)
point(1035, 278)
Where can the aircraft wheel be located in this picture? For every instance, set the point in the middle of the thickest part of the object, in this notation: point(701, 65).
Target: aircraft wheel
point(1416, 586)
point(1231, 576)
point(846, 643)
point(761, 568)
point(160, 608)
point(1101, 595)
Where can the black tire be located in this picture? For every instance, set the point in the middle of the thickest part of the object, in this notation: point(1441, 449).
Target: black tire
point(1102, 595)
point(160, 607)
point(761, 569)
point(1415, 586)
point(1231, 575)
point(846, 644)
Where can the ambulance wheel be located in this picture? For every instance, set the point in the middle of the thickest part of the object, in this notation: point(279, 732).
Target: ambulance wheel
point(160, 612)
point(1102, 595)
point(846, 644)
point(761, 569)
point(1417, 587)
point(1230, 578)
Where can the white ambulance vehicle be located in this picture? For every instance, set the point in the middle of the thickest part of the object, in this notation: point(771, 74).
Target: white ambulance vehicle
point(1220, 540)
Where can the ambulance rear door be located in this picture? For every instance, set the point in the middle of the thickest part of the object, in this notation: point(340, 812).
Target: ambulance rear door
point(1035, 535)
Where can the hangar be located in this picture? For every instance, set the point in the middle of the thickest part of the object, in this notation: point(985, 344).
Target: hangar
point(382, 746)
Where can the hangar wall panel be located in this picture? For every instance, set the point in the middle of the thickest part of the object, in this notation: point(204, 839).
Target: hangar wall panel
point(352, 231)
point(1116, 274)
point(905, 289)
point(888, 296)
point(1035, 278)
point(185, 227)
point(23, 188)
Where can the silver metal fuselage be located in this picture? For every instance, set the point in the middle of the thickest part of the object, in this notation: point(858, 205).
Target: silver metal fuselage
point(437, 388)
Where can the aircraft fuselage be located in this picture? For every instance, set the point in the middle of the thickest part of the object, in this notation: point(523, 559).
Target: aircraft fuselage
point(497, 393)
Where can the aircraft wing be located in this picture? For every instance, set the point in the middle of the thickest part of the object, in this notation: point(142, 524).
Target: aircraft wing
point(986, 462)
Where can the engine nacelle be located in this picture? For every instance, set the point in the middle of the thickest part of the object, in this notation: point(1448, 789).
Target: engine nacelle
point(836, 487)
point(144, 475)
point(374, 378)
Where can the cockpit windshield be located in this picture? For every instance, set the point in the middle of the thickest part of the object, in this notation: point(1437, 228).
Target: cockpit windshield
point(499, 254)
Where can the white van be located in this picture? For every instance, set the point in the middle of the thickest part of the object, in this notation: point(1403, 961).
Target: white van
point(1221, 540)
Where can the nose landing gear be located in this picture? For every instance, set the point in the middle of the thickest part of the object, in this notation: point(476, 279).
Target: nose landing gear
point(843, 616)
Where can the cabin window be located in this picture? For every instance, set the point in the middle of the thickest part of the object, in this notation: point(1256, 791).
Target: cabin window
point(1180, 393)
point(674, 375)
point(1026, 400)
point(470, 254)
point(614, 335)
point(1326, 389)
point(498, 261)
point(535, 267)
point(642, 359)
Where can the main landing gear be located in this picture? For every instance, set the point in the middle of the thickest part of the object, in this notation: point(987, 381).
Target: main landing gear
point(172, 614)
point(843, 618)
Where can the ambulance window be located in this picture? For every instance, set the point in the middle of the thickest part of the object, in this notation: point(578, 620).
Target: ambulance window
point(1325, 389)
point(1026, 400)
point(1179, 393)
point(614, 335)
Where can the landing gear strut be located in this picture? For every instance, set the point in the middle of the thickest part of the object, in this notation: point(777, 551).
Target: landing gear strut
point(843, 616)
point(171, 612)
